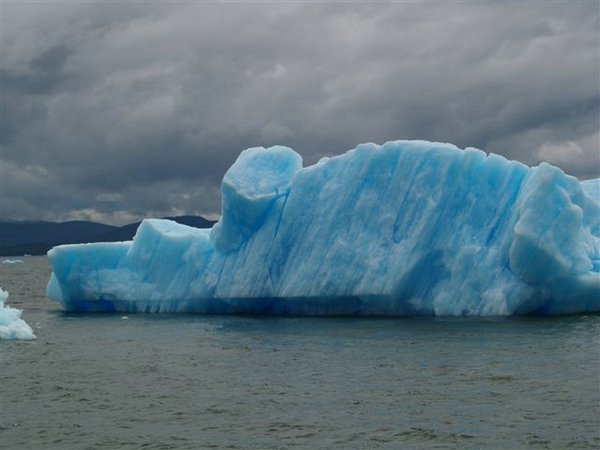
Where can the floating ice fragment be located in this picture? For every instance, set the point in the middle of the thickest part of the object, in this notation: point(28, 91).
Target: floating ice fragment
point(11, 324)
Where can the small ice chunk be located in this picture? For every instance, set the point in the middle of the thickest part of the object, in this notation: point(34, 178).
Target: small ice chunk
point(11, 324)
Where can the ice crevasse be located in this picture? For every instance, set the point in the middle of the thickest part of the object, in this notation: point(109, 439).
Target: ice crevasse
point(405, 228)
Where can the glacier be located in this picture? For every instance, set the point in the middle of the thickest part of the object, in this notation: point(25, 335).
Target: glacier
point(11, 324)
point(404, 228)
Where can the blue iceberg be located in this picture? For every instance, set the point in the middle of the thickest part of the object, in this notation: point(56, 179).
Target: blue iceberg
point(11, 324)
point(406, 228)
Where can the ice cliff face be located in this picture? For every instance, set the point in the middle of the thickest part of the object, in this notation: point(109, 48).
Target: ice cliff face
point(410, 227)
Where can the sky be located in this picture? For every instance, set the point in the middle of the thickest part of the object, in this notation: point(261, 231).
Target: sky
point(115, 111)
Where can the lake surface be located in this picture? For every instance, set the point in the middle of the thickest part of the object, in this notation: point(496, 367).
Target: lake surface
point(187, 382)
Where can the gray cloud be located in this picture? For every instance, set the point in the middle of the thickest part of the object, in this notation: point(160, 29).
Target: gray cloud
point(124, 110)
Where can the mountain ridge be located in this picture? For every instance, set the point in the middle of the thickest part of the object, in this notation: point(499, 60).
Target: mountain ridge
point(19, 238)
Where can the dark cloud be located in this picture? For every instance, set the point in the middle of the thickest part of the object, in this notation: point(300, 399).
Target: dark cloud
point(114, 111)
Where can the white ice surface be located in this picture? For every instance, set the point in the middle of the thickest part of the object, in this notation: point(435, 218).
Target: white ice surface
point(11, 324)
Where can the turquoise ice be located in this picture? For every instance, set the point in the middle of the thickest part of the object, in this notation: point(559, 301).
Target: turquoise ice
point(405, 228)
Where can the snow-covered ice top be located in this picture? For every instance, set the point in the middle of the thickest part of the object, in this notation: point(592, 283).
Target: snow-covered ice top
point(11, 324)
point(409, 227)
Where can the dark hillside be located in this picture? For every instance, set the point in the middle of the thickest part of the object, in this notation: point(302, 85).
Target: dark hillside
point(36, 238)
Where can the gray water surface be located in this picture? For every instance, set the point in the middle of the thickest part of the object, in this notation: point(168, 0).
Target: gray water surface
point(188, 382)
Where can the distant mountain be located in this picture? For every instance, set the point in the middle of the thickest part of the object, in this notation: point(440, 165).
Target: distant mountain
point(19, 233)
point(36, 238)
point(126, 232)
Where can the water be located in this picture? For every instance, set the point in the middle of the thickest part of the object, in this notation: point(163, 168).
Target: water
point(189, 382)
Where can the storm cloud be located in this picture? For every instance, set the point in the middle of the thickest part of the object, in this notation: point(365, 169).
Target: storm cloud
point(117, 111)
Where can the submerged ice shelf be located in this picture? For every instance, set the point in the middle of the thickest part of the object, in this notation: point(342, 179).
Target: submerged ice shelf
point(409, 227)
point(11, 324)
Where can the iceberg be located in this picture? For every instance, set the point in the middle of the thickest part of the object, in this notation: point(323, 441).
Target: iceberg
point(11, 324)
point(404, 228)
